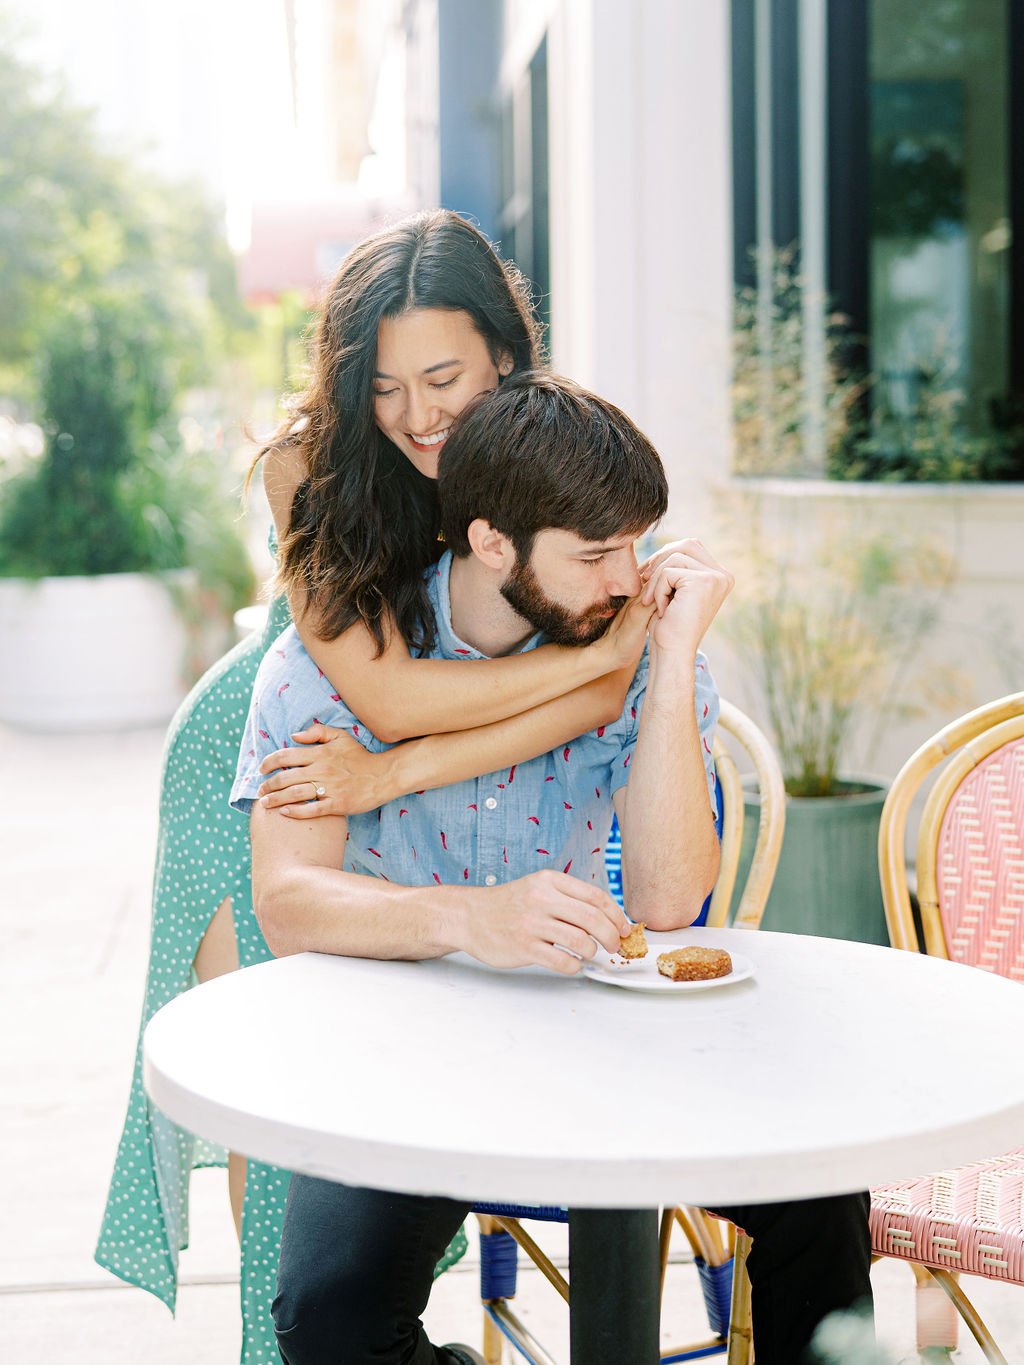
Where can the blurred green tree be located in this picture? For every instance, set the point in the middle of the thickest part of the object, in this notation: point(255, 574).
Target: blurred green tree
point(75, 218)
point(117, 293)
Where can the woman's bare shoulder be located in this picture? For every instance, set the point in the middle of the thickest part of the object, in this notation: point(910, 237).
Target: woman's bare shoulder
point(284, 468)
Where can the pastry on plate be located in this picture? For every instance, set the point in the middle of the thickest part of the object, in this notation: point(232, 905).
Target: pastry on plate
point(633, 944)
point(694, 964)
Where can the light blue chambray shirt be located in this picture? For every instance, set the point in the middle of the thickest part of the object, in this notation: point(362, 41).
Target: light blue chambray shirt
point(551, 812)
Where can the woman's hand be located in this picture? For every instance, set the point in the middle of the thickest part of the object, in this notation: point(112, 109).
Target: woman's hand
point(623, 641)
point(330, 760)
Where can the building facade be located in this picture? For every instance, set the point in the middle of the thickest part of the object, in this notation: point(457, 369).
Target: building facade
point(649, 154)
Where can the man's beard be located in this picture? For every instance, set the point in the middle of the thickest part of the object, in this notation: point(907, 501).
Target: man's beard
point(525, 595)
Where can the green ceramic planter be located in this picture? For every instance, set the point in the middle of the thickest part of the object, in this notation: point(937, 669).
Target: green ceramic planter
point(827, 879)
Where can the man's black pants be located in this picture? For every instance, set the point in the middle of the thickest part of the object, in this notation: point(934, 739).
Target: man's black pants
point(357, 1266)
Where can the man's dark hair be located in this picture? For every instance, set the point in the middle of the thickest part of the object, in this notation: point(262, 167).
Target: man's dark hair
point(542, 453)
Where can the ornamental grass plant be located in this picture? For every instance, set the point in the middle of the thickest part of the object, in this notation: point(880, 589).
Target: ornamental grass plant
point(827, 622)
point(834, 596)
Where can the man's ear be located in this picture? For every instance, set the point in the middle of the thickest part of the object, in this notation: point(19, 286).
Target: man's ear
point(491, 546)
point(506, 364)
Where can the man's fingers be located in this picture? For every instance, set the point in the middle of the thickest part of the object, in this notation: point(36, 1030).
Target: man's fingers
point(665, 585)
point(700, 552)
point(696, 550)
point(672, 582)
point(557, 960)
point(649, 566)
point(672, 563)
point(607, 934)
point(584, 891)
point(670, 578)
point(599, 918)
point(575, 940)
point(689, 545)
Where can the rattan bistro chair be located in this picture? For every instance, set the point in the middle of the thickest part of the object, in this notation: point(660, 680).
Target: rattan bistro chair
point(715, 1250)
point(970, 879)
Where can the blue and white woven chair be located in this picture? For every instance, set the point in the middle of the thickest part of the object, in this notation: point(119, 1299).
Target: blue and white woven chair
point(716, 1251)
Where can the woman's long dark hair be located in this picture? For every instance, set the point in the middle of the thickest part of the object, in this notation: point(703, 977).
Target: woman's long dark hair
point(364, 523)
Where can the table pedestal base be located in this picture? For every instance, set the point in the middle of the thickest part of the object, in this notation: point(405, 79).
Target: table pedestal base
point(614, 1275)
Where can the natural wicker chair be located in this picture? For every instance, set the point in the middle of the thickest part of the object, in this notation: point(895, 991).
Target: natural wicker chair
point(501, 1230)
point(970, 886)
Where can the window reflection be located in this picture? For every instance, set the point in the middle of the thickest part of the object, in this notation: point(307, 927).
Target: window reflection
point(940, 234)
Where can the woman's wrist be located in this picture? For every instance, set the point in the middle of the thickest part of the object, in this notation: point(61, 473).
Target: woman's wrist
point(399, 771)
point(578, 664)
point(598, 659)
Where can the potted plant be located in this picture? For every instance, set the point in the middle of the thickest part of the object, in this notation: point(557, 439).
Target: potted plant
point(827, 623)
point(831, 605)
point(108, 534)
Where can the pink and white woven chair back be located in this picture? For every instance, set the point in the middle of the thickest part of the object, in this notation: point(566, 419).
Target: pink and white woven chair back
point(967, 1219)
point(970, 867)
point(980, 865)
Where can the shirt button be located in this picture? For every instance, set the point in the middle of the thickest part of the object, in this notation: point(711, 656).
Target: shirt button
point(490, 879)
point(491, 804)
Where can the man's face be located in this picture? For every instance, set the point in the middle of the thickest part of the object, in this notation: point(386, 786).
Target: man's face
point(571, 588)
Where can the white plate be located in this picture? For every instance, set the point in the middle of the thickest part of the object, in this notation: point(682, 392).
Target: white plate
point(641, 973)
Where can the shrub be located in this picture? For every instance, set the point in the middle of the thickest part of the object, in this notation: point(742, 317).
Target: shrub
point(114, 490)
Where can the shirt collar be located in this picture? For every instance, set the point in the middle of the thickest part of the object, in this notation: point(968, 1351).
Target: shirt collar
point(447, 644)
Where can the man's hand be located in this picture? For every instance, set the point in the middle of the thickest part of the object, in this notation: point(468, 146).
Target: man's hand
point(687, 586)
point(531, 921)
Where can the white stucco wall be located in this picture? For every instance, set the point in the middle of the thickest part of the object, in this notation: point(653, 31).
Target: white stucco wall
point(641, 240)
point(641, 255)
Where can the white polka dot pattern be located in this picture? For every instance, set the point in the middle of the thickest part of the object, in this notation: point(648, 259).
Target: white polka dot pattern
point(202, 858)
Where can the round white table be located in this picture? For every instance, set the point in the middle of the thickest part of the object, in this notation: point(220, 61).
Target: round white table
point(836, 1066)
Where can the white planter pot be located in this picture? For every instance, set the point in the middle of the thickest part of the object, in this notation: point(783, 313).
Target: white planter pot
point(250, 620)
point(98, 653)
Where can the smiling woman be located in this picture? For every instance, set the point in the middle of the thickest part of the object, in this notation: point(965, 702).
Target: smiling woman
point(419, 320)
point(416, 397)
point(424, 304)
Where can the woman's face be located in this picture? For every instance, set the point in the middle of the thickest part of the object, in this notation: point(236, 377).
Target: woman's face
point(430, 363)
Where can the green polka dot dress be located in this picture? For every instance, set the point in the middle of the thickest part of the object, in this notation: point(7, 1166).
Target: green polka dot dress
point(202, 858)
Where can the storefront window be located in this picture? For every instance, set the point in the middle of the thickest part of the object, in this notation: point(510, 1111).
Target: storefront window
point(940, 206)
point(524, 214)
point(879, 146)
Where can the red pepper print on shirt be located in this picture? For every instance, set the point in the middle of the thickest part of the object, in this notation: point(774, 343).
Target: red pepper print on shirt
point(551, 812)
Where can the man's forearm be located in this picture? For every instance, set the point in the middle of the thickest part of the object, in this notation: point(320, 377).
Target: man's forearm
point(324, 910)
point(670, 850)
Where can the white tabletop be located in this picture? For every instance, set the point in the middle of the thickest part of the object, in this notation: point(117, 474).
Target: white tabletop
point(837, 1066)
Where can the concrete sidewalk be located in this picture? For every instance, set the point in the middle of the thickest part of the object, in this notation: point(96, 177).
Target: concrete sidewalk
point(79, 828)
